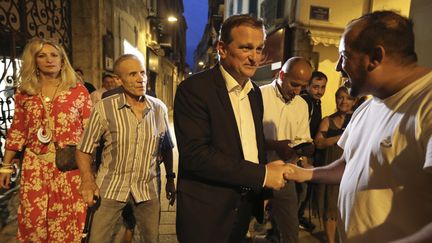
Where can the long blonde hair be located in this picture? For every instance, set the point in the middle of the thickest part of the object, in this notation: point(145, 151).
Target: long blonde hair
point(28, 77)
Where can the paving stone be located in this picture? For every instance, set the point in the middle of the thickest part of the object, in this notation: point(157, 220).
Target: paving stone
point(168, 218)
point(167, 229)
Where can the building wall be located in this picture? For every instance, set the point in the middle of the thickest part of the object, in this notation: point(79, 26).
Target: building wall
point(325, 35)
point(420, 13)
point(328, 56)
point(125, 21)
point(86, 38)
point(400, 6)
point(340, 12)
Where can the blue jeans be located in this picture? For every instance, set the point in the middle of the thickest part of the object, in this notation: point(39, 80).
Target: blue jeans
point(109, 214)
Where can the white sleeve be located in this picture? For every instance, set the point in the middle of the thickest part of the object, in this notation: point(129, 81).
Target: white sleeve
point(303, 130)
point(426, 139)
point(428, 161)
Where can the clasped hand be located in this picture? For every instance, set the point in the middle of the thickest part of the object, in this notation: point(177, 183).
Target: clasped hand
point(297, 173)
point(275, 174)
point(279, 172)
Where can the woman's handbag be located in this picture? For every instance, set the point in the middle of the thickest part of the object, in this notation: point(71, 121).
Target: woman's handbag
point(65, 158)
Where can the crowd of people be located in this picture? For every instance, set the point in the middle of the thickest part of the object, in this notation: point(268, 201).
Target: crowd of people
point(242, 148)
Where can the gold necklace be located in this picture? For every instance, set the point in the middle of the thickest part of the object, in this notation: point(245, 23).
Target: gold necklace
point(47, 98)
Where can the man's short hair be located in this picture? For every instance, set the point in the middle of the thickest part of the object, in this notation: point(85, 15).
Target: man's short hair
point(388, 29)
point(107, 74)
point(235, 21)
point(318, 75)
point(120, 60)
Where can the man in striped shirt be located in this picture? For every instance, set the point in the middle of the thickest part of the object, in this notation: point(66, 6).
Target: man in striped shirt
point(134, 128)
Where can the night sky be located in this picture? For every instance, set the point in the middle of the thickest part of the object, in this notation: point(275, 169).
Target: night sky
point(195, 12)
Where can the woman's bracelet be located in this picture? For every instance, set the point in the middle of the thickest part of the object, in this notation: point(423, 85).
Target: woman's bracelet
point(7, 168)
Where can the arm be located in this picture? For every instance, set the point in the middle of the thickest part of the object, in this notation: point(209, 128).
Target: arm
point(7, 160)
point(170, 189)
point(16, 138)
point(88, 187)
point(330, 174)
point(321, 141)
point(424, 235)
point(86, 108)
point(282, 149)
point(84, 159)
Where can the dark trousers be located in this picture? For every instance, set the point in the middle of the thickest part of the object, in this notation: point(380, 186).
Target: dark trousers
point(244, 213)
point(284, 213)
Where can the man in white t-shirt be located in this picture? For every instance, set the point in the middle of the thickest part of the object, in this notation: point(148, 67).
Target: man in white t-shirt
point(286, 124)
point(385, 173)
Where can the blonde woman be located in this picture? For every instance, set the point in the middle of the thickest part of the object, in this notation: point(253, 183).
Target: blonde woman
point(330, 130)
point(51, 107)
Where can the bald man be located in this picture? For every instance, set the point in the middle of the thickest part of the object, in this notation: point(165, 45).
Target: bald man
point(286, 124)
point(385, 172)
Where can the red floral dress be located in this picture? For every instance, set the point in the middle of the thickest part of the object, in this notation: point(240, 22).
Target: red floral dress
point(51, 208)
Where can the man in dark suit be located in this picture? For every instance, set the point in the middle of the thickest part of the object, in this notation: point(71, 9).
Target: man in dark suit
point(218, 123)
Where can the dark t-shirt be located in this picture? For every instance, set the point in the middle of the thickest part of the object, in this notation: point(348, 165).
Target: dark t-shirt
point(315, 114)
point(90, 88)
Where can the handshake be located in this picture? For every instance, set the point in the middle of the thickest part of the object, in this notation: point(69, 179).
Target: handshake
point(278, 172)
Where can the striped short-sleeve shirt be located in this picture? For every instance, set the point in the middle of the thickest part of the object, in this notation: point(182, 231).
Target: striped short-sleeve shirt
point(129, 158)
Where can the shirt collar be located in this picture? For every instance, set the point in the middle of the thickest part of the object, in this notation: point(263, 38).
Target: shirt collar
point(123, 103)
point(277, 91)
point(232, 84)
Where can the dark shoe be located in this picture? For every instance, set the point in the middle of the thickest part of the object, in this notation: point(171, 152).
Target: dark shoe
point(305, 224)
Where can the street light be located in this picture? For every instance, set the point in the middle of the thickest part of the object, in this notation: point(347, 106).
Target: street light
point(172, 19)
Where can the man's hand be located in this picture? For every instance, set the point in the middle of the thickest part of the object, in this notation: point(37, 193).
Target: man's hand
point(88, 190)
point(305, 149)
point(283, 150)
point(275, 174)
point(297, 173)
point(170, 191)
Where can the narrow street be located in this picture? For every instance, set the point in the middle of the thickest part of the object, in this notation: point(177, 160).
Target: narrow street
point(167, 222)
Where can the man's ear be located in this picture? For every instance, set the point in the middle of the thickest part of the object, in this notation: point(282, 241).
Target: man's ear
point(281, 74)
point(376, 57)
point(220, 46)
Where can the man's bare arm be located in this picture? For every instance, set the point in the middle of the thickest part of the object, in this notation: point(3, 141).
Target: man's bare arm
point(330, 174)
point(88, 188)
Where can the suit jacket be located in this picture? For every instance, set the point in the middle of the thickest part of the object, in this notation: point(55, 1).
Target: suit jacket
point(212, 168)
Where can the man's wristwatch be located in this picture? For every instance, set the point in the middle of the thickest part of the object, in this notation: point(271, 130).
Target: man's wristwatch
point(171, 175)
